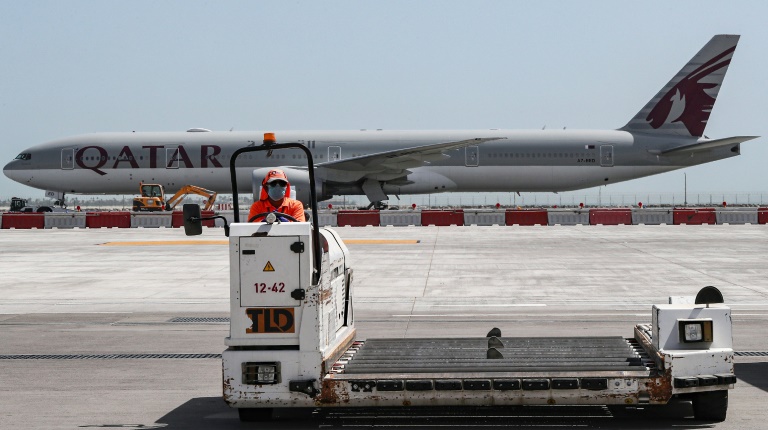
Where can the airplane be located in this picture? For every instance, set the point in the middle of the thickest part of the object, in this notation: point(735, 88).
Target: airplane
point(665, 135)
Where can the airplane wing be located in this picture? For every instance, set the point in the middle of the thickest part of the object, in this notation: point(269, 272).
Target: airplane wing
point(388, 165)
point(707, 144)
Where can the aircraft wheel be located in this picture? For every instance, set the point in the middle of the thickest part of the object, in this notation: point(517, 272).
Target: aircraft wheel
point(710, 405)
point(255, 414)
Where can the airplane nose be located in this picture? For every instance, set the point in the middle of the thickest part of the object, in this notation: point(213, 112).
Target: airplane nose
point(12, 170)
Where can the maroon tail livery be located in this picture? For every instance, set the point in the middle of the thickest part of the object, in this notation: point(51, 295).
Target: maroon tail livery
point(683, 106)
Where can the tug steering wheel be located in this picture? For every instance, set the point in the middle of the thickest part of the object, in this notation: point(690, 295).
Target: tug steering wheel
point(279, 214)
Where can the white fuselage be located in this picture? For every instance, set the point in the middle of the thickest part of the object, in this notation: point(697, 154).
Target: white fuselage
point(535, 160)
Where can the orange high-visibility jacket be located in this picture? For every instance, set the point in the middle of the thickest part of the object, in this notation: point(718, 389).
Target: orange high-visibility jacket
point(290, 207)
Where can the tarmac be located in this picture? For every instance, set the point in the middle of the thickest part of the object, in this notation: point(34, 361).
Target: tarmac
point(110, 307)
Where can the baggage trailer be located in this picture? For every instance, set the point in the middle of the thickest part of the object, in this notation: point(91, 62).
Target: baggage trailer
point(292, 342)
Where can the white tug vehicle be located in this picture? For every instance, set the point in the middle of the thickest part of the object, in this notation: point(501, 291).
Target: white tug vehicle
point(292, 340)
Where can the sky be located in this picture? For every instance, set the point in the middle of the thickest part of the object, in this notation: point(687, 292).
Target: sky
point(94, 66)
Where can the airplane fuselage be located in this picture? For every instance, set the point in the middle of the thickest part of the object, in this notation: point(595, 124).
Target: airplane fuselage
point(521, 160)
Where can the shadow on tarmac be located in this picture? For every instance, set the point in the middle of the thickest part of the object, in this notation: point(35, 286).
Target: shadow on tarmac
point(212, 413)
point(754, 374)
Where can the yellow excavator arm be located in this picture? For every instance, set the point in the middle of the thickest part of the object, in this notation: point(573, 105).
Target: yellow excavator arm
point(191, 189)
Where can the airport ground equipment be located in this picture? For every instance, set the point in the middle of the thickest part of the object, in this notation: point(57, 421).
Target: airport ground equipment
point(20, 205)
point(152, 197)
point(292, 343)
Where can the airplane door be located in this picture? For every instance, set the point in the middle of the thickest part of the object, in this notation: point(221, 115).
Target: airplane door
point(334, 153)
point(171, 158)
point(606, 155)
point(472, 156)
point(68, 158)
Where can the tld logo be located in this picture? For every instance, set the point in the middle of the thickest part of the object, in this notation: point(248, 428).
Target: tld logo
point(271, 320)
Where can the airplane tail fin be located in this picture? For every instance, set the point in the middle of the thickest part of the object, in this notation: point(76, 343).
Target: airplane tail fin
point(683, 106)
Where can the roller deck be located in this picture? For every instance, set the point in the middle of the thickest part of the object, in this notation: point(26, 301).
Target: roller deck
point(523, 356)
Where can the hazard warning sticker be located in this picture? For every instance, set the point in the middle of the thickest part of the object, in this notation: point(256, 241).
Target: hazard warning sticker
point(269, 267)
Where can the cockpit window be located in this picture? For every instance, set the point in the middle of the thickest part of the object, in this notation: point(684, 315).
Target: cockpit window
point(24, 156)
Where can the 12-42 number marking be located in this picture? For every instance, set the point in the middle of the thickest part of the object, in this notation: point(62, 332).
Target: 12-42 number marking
point(277, 287)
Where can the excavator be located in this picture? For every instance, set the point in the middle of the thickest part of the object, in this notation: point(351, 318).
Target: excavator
point(152, 197)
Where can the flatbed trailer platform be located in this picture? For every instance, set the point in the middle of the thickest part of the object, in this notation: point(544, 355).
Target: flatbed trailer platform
point(519, 355)
point(490, 370)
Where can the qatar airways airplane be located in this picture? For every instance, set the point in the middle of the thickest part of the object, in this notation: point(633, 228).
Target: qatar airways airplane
point(667, 134)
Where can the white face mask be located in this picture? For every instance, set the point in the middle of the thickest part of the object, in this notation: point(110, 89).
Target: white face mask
point(276, 192)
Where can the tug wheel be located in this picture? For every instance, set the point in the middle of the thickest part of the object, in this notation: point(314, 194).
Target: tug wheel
point(710, 405)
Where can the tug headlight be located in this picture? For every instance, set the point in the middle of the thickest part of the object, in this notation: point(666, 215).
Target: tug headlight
point(692, 331)
point(261, 373)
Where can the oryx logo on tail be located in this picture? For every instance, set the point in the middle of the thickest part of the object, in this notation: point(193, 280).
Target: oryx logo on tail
point(688, 101)
point(683, 106)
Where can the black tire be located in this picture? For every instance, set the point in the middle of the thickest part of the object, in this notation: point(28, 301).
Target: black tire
point(250, 415)
point(711, 405)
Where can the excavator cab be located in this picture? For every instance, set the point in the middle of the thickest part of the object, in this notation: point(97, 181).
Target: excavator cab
point(151, 198)
point(151, 190)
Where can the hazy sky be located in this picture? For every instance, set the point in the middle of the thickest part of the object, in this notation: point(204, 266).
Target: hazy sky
point(72, 67)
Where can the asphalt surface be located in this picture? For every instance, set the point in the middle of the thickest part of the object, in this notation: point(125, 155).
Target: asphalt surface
point(77, 294)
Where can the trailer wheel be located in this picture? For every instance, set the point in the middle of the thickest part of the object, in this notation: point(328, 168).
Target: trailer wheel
point(711, 405)
point(250, 415)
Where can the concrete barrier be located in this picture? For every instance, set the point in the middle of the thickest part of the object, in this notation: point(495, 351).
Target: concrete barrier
point(230, 217)
point(568, 217)
point(400, 218)
point(526, 217)
point(610, 216)
point(23, 220)
point(736, 216)
point(442, 218)
point(65, 220)
point(357, 218)
point(326, 219)
point(762, 215)
point(152, 220)
point(652, 216)
point(108, 220)
point(484, 217)
point(694, 216)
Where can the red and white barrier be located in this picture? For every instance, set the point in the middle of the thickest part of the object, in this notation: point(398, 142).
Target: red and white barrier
point(442, 218)
point(20, 220)
point(526, 217)
point(610, 216)
point(354, 218)
point(108, 220)
point(432, 217)
point(697, 216)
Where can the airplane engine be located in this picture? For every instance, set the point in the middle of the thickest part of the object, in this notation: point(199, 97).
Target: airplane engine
point(299, 179)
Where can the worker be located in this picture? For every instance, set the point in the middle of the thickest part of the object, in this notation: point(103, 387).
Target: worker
point(276, 197)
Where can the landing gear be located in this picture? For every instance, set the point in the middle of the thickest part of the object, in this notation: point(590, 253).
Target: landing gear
point(60, 202)
point(380, 205)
